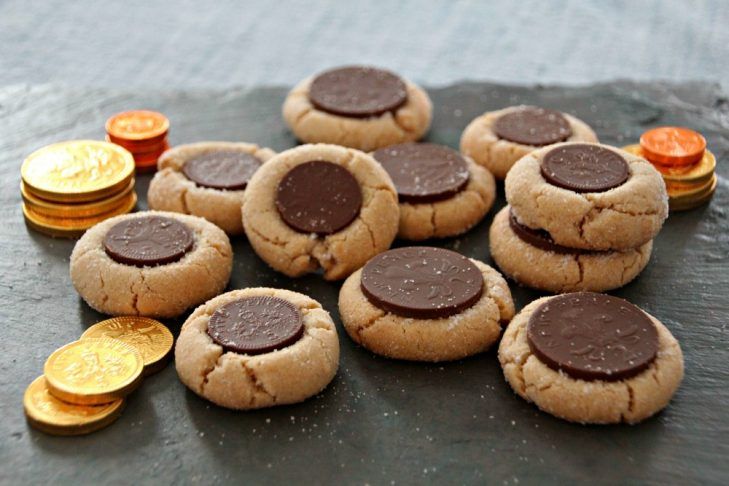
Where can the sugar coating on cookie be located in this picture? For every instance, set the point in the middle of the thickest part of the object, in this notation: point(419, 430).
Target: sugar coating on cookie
point(588, 196)
point(257, 347)
point(531, 258)
point(591, 358)
point(425, 304)
point(441, 193)
point(151, 263)
point(497, 139)
point(357, 106)
point(298, 224)
point(207, 179)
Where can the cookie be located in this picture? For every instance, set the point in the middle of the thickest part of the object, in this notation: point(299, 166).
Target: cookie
point(588, 196)
point(497, 139)
point(357, 106)
point(151, 263)
point(531, 258)
point(320, 206)
point(207, 179)
point(591, 358)
point(425, 304)
point(441, 193)
point(257, 347)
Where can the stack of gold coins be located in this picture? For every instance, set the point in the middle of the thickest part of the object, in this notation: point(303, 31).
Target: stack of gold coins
point(687, 166)
point(85, 383)
point(141, 132)
point(70, 186)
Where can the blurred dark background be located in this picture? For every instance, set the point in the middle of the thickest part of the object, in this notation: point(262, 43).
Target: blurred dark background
point(224, 43)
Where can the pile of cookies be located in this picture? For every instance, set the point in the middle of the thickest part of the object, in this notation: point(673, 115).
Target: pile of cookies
point(581, 217)
point(84, 383)
point(68, 187)
point(687, 166)
point(143, 133)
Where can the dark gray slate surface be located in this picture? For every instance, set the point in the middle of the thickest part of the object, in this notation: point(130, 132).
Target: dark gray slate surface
point(381, 421)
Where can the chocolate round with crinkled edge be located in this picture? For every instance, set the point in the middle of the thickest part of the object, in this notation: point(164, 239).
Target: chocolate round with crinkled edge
point(540, 238)
point(148, 241)
point(256, 325)
point(424, 172)
point(592, 336)
point(583, 167)
point(221, 169)
point(422, 282)
point(318, 197)
point(357, 91)
point(534, 126)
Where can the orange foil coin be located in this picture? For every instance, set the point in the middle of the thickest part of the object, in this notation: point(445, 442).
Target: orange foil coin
point(673, 145)
point(137, 125)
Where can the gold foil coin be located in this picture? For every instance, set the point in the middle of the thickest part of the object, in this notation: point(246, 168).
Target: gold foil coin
point(696, 173)
point(76, 210)
point(151, 338)
point(53, 416)
point(93, 371)
point(72, 227)
point(77, 171)
point(694, 200)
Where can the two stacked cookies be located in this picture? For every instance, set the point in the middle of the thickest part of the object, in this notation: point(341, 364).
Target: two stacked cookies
point(580, 217)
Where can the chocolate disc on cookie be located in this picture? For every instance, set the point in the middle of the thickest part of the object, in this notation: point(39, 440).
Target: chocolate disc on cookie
point(592, 336)
point(148, 241)
point(584, 168)
point(422, 282)
point(540, 238)
point(318, 197)
point(424, 172)
point(221, 169)
point(533, 126)
point(256, 325)
point(357, 91)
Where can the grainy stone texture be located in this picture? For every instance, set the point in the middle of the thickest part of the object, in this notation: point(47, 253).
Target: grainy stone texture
point(380, 419)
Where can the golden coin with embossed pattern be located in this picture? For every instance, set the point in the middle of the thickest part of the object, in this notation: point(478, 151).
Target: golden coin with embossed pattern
point(93, 371)
point(53, 416)
point(151, 338)
point(77, 171)
point(701, 171)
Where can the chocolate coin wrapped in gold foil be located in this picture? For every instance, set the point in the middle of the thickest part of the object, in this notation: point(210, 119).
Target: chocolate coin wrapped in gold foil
point(151, 338)
point(93, 371)
point(53, 416)
point(77, 171)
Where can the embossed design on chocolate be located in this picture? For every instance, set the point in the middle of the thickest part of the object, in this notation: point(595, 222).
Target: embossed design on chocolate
point(540, 238)
point(424, 172)
point(148, 241)
point(318, 197)
point(422, 282)
point(533, 126)
point(256, 325)
point(221, 169)
point(584, 168)
point(592, 336)
point(357, 92)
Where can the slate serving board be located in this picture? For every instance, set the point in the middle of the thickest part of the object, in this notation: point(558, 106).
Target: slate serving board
point(380, 421)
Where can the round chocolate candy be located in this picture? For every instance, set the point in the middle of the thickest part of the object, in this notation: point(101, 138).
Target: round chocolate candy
point(592, 336)
point(256, 325)
point(540, 238)
point(584, 168)
point(221, 169)
point(424, 172)
point(318, 197)
point(148, 241)
point(422, 282)
point(357, 91)
point(533, 126)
